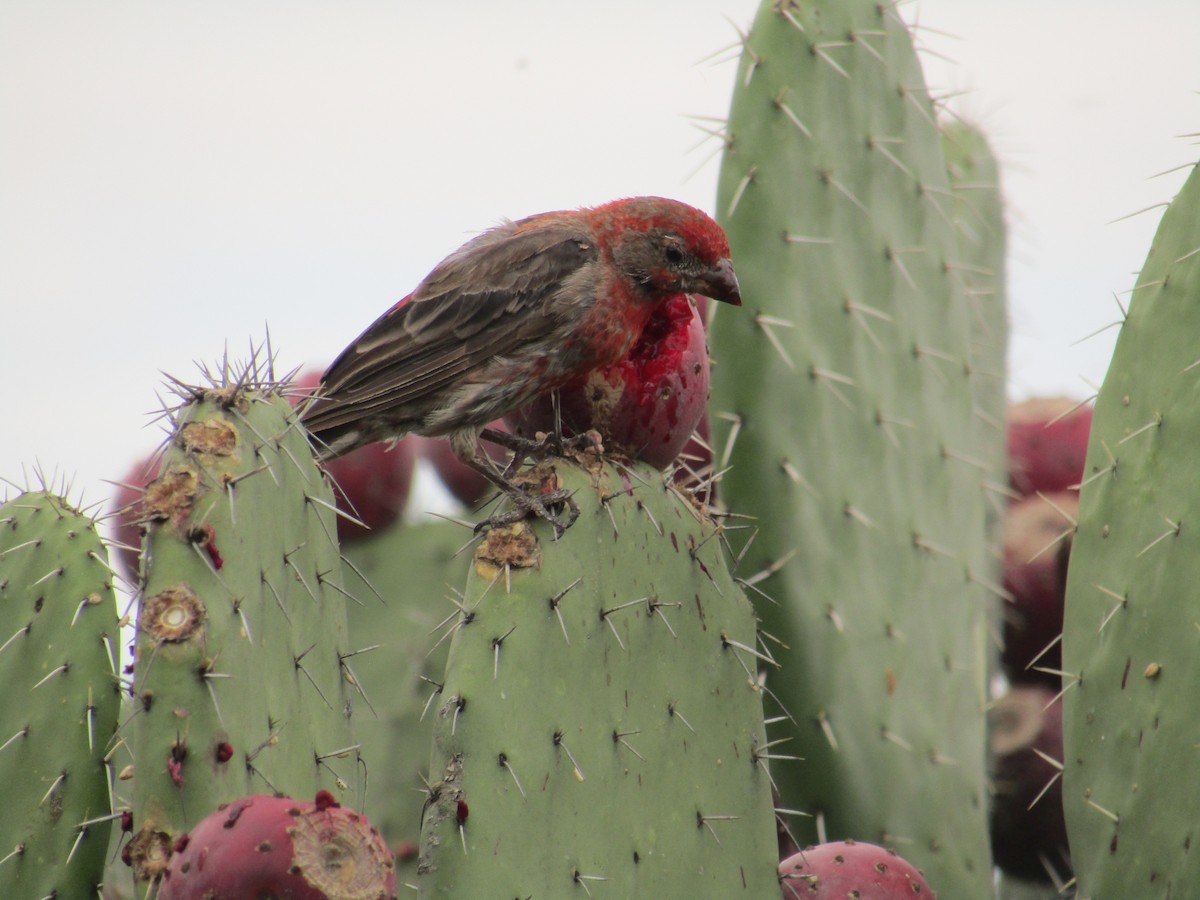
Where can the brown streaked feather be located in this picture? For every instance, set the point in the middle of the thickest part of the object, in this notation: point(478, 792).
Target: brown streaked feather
point(483, 301)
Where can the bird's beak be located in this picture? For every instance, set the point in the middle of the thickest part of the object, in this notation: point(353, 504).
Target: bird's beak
point(721, 283)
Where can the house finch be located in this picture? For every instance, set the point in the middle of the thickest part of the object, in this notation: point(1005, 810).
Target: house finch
point(518, 311)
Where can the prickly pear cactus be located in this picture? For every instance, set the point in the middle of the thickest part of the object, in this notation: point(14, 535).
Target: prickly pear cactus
point(1131, 636)
point(240, 679)
point(979, 219)
point(599, 729)
point(848, 419)
point(403, 576)
point(58, 632)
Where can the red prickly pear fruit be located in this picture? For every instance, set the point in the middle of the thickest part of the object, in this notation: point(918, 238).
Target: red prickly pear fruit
point(1047, 444)
point(406, 851)
point(843, 869)
point(127, 505)
point(648, 403)
point(1028, 829)
point(463, 482)
point(371, 483)
point(1035, 574)
point(265, 846)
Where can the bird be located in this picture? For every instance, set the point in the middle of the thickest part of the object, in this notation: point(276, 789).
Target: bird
point(517, 311)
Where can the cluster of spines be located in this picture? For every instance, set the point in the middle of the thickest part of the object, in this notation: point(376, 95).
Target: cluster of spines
point(58, 620)
point(853, 436)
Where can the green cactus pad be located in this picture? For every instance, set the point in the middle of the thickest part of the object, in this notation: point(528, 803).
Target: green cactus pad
point(844, 392)
point(599, 730)
point(1131, 640)
point(58, 630)
point(403, 576)
point(979, 219)
point(241, 631)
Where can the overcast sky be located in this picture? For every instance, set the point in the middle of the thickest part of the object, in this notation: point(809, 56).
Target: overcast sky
point(174, 176)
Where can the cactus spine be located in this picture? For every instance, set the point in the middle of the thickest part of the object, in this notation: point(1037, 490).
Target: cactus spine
point(854, 437)
point(1130, 626)
point(240, 684)
point(599, 728)
point(58, 628)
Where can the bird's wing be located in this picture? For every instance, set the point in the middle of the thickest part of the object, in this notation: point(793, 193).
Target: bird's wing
point(487, 298)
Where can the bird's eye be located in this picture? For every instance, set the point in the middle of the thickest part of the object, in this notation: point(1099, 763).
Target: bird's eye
point(673, 254)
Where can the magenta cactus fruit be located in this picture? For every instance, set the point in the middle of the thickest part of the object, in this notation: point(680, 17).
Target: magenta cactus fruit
point(851, 869)
point(1047, 443)
point(1029, 831)
point(1037, 543)
point(127, 504)
point(265, 846)
point(648, 403)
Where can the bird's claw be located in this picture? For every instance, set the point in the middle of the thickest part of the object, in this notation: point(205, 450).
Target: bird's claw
point(543, 444)
point(539, 506)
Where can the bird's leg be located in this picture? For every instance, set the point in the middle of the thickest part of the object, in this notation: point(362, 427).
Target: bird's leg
point(463, 446)
point(525, 502)
point(519, 446)
point(509, 441)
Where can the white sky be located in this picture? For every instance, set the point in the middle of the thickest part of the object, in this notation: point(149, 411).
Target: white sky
point(173, 176)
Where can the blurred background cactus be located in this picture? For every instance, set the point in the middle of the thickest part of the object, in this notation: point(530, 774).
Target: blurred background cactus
point(58, 617)
point(1130, 628)
point(862, 428)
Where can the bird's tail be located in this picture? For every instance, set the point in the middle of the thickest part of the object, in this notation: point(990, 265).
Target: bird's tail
point(337, 425)
point(330, 431)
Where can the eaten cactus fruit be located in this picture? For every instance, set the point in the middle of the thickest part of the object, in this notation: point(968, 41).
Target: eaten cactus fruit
point(843, 869)
point(1047, 443)
point(1037, 543)
point(1029, 835)
point(266, 846)
point(648, 403)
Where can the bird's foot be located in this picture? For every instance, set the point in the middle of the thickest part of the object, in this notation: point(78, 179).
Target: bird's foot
point(527, 505)
point(533, 492)
point(543, 444)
